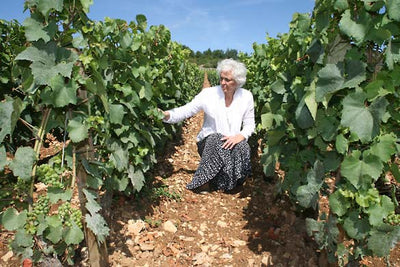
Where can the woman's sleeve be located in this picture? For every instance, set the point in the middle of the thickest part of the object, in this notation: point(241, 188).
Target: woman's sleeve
point(180, 113)
point(248, 124)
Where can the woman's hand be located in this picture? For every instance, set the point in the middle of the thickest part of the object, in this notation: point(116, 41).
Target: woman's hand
point(165, 113)
point(231, 141)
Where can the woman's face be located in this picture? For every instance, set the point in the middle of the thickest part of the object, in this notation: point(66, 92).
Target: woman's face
point(228, 84)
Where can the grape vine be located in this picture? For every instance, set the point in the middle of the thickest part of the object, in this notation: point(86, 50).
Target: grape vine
point(328, 111)
point(96, 87)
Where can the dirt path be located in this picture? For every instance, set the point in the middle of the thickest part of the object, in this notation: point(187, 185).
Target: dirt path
point(248, 227)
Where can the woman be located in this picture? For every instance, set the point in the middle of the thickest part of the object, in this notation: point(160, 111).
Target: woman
point(228, 123)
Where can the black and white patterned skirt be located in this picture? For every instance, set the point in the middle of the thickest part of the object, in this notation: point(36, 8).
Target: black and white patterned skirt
point(223, 168)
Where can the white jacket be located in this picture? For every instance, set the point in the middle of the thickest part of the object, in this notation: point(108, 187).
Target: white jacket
point(229, 121)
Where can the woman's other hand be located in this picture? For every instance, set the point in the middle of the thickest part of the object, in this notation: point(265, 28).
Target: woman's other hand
point(231, 141)
point(165, 114)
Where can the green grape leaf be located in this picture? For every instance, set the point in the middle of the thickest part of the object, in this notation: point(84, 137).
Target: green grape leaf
point(86, 4)
point(278, 87)
point(73, 235)
point(321, 24)
point(307, 195)
point(384, 148)
point(42, 226)
point(362, 120)
point(374, 88)
point(331, 160)
point(330, 80)
point(3, 158)
point(60, 94)
point(316, 50)
point(357, 30)
point(126, 40)
point(304, 117)
point(55, 194)
point(119, 156)
point(91, 205)
point(48, 61)
point(267, 120)
point(142, 21)
point(22, 239)
point(341, 5)
point(379, 211)
point(354, 169)
point(326, 126)
point(337, 50)
point(126, 89)
point(356, 227)
point(393, 9)
point(77, 130)
point(96, 86)
point(94, 178)
point(120, 183)
point(98, 225)
point(392, 54)
point(6, 110)
point(94, 182)
point(146, 91)
point(137, 43)
point(149, 137)
point(10, 110)
point(325, 233)
point(137, 178)
point(34, 30)
point(12, 220)
point(300, 22)
point(22, 163)
point(383, 240)
point(341, 144)
point(311, 103)
point(55, 229)
point(45, 6)
point(356, 73)
point(394, 168)
point(367, 198)
point(117, 113)
point(338, 203)
point(53, 221)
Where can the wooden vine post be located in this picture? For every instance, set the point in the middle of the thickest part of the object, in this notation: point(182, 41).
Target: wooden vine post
point(98, 254)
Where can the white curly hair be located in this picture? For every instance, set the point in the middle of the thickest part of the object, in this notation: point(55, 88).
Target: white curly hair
point(238, 70)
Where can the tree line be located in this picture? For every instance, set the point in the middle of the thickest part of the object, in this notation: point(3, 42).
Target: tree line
point(209, 58)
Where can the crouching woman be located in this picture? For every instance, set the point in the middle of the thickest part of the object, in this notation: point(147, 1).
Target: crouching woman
point(228, 123)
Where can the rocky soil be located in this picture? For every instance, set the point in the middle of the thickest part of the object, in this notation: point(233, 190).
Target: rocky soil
point(247, 227)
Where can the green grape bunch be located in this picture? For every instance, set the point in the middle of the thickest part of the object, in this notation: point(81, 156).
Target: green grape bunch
point(68, 215)
point(21, 186)
point(5, 191)
point(49, 176)
point(393, 219)
point(41, 206)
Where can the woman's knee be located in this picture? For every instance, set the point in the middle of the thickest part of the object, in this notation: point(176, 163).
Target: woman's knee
point(242, 148)
point(215, 136)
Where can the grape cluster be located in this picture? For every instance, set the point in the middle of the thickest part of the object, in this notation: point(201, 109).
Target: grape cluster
point(4, 191)
point(68, 214)
point(21, 186)
point(49, 176)
point(41, 206)
point(393, 219)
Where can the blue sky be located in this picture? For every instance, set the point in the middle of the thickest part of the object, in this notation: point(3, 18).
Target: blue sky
point(198, 24)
